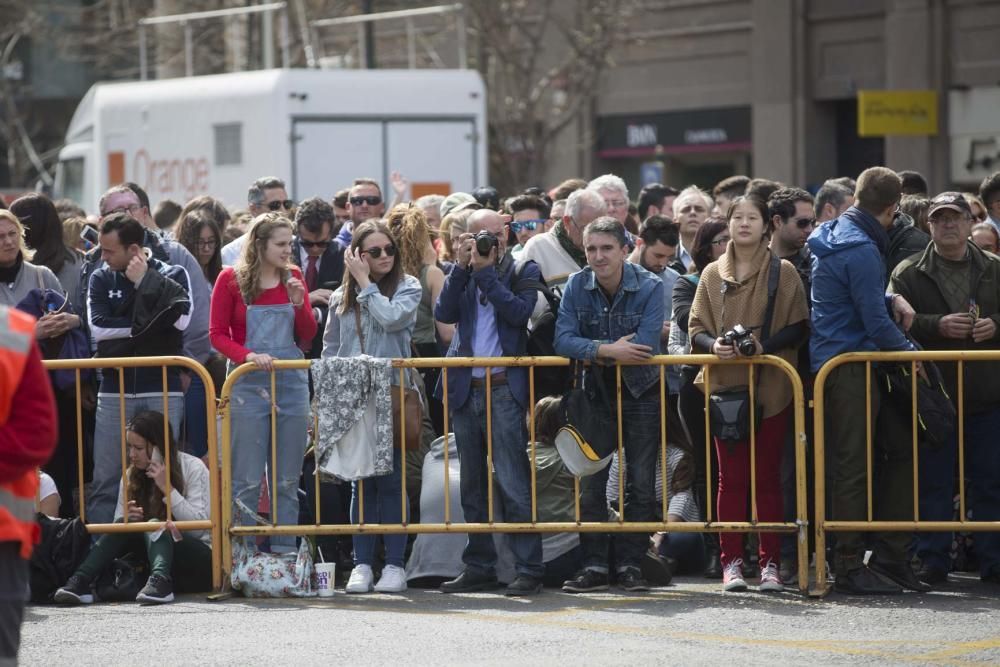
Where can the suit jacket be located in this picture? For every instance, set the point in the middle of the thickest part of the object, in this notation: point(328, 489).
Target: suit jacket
point(331, 269)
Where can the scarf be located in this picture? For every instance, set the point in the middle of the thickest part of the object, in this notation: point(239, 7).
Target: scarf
point(9, 274)
point(867, 223)
point(577, 255)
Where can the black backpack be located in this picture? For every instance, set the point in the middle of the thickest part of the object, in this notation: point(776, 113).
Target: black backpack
point(549, 380)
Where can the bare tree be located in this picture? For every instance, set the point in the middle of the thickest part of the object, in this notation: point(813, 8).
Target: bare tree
point(541, 61)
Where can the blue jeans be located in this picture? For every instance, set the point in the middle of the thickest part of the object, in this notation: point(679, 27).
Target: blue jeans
point(382, 502)
point(196, 418)
point(937, 483)
point(513, 477)
point(108, 447)
point(641, 442)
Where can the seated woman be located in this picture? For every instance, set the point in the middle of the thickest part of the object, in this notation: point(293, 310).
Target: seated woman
point(188, 562)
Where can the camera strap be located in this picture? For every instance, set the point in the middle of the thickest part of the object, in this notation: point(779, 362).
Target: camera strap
point(773, 276)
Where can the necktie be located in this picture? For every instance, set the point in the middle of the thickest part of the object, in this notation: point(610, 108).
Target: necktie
point(312, 274)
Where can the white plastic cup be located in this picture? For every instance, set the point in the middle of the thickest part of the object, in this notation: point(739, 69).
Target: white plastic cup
point(325, 576)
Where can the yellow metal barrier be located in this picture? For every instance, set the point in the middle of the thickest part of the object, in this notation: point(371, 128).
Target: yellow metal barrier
point(824, 525)
point(799, 526)
point(213, 523)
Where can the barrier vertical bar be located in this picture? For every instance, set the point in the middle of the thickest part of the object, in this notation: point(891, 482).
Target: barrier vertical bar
point(166, 440)
point(961, 441)
point(274, 447)
point(663, 440)
point(447, 446)
point(489, 443)
point(707, 370)
point(801, 489)
point(819, 465)
point(121, 425)
point(402, 443)
point(316, 464)
point(79, 446)
point(531, 439)
point(753, 446)
point(868, 436)
point(916, 480)
point(621, 445)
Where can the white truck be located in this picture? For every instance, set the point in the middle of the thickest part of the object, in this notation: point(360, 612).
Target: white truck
point(315, 129)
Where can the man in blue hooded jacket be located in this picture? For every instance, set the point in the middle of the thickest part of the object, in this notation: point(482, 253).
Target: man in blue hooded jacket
point(852, 312)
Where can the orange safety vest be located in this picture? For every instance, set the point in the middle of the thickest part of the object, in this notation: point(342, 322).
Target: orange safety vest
point(17, 497)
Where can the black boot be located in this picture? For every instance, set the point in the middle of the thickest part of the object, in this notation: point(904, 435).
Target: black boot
point(713, 564)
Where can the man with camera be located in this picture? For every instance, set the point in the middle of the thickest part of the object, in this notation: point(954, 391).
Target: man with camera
point(491, 321)
point(852, 312)
point(955, 289)
point(612, 312)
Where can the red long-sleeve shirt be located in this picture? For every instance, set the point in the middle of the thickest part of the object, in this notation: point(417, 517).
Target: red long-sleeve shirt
point(29, 436)
point(228, 319)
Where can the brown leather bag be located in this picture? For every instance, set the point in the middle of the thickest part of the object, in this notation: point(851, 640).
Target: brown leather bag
point(413, 407)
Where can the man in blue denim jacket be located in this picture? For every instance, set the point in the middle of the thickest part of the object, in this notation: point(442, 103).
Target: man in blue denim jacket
point(492, 322)
point(612, 311)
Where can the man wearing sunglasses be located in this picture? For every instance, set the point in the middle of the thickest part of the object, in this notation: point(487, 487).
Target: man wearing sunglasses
point(530, 217)
point(363, 203)
point(321, 260)
point(265, 195)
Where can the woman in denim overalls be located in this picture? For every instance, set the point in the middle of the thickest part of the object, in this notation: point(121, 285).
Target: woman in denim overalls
point(259, 310)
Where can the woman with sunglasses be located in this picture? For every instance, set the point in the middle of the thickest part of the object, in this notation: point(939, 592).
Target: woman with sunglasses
point(260, 314)
point(374, 312)
point(530, 215)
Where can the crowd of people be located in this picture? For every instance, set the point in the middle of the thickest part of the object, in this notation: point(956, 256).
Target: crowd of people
point(751, 267)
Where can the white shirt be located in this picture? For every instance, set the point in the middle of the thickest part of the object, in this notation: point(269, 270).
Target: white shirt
point(304, 256)
point(231, 251)
point(193, 505)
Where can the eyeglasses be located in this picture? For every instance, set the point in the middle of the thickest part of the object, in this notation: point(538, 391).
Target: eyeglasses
point(376, 252)
point(616, 203)
point(530, 225)
point(206, 243)
point(720, 241)
point(314, 244)
point(805, 223)
point(371, 200)
point(122, 209)
point(277, 204)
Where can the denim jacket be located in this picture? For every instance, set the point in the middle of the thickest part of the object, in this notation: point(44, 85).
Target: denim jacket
point(586, 319)
point(457, 305)
point(387, 323)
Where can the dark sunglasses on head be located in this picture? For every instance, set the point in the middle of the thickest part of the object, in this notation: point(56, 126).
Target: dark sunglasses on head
point(805, 222)
point(530, 225)
point(275, 205)
point(376, 252)
point(314, 244)
point(371, 200)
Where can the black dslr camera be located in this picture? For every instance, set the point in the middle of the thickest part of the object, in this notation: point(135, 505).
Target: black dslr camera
point(741, 338)
point(485, 242)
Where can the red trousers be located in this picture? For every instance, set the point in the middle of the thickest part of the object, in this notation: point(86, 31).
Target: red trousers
point(734, 487)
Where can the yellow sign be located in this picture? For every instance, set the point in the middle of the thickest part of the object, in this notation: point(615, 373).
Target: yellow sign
point(897, 112)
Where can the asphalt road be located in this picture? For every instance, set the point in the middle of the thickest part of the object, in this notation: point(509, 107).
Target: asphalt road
point(691, 622)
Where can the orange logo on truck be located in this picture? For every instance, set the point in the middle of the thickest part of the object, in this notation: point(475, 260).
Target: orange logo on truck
point(182, 178)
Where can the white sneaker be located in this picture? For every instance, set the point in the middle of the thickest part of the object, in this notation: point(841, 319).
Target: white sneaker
point(732, 577)
point(393, 580)
point(770, 579)
point(361, 580)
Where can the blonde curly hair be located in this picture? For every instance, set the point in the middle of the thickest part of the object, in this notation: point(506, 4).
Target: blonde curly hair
point(409, 231)
point(248, 267)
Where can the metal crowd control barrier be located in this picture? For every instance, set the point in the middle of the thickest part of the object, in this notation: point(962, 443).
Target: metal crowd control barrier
point(212, 523)
point(823, 524)
point(799, 526)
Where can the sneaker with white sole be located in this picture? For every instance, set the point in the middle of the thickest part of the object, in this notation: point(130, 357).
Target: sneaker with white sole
point(393, 580)
point(732, 577)
point(770, 579)
point(75, 591)
point(360, 580)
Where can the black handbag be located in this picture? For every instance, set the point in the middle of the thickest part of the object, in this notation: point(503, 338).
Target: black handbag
point(589, 418)
point(122, 580)
point(729, 409)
